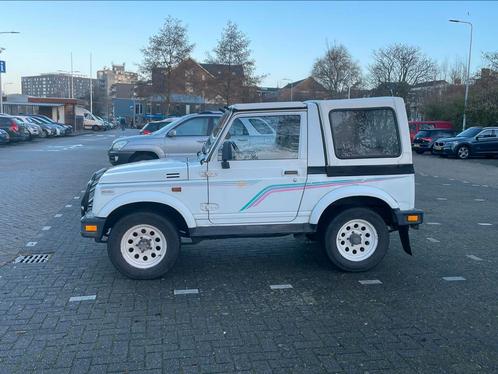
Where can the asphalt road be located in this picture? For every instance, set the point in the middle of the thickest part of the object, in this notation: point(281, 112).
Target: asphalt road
point(436, 311)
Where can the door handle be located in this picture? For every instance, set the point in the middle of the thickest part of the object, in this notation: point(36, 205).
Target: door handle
point(291, 172)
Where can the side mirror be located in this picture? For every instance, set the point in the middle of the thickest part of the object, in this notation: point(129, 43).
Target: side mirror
point(226, 155)
point(172, 133)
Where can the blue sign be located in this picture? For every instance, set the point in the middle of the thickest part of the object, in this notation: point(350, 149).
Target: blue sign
point(2, 66)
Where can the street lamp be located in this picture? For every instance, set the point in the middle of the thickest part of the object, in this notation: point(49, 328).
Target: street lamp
point(468, 71)
point(287, 79)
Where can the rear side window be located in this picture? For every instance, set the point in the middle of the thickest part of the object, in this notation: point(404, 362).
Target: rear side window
point(365, 133)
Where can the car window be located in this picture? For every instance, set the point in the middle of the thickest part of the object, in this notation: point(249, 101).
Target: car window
point(260, 126)
point(281, 145)
point(486, 134)
point(238, 128)
point(198, 126)
point(365, 133)
point(423, 134)
point(426, 126)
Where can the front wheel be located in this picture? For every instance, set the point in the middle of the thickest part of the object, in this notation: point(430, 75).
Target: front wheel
point(95, 128)
point(143, 245)
point(463, 152)
point(356, 239)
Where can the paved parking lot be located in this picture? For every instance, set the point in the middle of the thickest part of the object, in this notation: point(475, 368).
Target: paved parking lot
point(251, 305)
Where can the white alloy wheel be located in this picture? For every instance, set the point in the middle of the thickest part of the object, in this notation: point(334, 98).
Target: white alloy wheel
point(143, 246)
point(463, 152)
point(357, 240)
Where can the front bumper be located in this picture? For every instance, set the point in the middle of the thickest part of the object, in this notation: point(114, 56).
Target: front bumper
point(92, 227)
point(119, 157)
point(444, 150)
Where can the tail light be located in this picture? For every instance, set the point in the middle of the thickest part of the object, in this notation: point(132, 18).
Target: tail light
point(146, 132)
point(14, 127)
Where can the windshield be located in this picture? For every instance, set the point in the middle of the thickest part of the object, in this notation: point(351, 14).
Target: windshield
point(206, 148)
point(473, 131)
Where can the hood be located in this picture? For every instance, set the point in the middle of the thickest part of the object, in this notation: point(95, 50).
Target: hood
point(161, 170)
point(137, 139)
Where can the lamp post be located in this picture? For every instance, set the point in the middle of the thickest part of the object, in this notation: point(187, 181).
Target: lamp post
point(468, 72)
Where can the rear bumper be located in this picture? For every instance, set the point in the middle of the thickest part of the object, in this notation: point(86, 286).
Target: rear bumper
point(92, 227)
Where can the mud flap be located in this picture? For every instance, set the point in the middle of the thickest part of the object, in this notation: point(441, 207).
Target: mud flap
point(405, 238)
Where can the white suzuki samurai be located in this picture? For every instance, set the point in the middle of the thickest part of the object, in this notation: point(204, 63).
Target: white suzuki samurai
point(339, 171)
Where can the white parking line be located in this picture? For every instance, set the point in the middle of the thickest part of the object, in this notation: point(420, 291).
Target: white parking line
point(476, 185)
point(280, 286)
point(453, 279)
point(433, 223)
point(370, 281)
point(472, 257)
point(433, 240)
point(484, 185)
point(446, 184)
point(441, 198)
point(479, 200)
point(466, 182)
point(31, 244)
point(484, 224)
point(452, 179)
point(82, 298)
point(46, 228)
point(436, 176)
point(58, 215)
point(423, 174)
point(68, 206)
point(76, 197)
point(186, 291)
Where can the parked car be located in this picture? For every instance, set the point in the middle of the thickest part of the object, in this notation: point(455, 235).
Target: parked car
point(60, 128)
point(334, 176)
point(34, 130)
point(475, 141)
point(4, 137)
point(416, 126)
point(68, 128)
point(153, 126)
point(47, 130)
point(183, 137)
point(16, 129)
point(424, 140)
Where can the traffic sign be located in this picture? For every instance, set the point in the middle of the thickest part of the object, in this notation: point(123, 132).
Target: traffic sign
point(2, 66)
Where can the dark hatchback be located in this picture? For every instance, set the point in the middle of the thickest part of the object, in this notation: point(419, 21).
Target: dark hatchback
point(475, 141)
point(16, 129)
point(424, 140)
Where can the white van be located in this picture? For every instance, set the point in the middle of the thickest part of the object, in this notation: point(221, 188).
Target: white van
point(90, 122)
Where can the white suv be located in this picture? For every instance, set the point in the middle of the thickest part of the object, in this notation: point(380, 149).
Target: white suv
point(339, 171)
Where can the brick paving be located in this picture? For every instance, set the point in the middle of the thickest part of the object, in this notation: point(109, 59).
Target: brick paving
point(414, 321)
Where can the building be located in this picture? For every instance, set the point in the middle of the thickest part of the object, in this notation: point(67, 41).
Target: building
point(59, 109)
point(117, 74)
point(304, 89)
point(56, 85)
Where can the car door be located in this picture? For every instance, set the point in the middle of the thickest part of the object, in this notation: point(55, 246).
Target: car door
point(485, 141)
point(264, 181)
point(187, 138)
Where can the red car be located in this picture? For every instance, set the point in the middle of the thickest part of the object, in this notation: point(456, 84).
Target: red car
point(416, 126)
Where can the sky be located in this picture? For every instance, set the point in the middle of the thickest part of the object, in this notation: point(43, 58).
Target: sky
point(286, 37)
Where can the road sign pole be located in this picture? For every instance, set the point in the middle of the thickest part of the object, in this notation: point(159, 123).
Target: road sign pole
point(1, 94)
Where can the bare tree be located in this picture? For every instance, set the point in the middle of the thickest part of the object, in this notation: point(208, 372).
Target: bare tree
point(336, 70)
point(169, 47)
point(454, 74)
point(400, 66)
point(492, 60)
point(238, 70)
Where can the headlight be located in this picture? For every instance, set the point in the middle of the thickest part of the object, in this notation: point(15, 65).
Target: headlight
point(119, 144)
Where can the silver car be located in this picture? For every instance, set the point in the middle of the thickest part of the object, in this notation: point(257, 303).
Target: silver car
point(183, 137)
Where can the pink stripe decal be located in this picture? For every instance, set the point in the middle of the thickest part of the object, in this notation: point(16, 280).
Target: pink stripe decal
point(268, 193)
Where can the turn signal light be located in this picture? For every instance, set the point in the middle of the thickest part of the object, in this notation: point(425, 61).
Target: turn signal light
point(413, 218)
point(91, 228)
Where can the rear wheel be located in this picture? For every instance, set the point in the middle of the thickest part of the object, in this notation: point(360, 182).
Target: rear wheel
point(143, 245)
point(356, 239)
point(463, 152)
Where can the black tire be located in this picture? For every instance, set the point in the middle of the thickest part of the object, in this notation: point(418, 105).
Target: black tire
point(95, 128)
point(43, 134)
point(143, 157)
point(331, 236)
point(461, 153)
point(419, 151)
point(164, 225)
